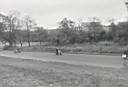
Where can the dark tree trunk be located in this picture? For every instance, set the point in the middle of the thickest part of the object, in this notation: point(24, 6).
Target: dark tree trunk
point(40, 43)
point(29, 43)
point(10, 43)
point(29, 39)
point(21, 44)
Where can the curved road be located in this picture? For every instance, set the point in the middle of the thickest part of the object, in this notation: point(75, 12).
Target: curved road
point(77, 59)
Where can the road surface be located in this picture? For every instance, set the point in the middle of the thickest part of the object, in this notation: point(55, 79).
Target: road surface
point(77, 59)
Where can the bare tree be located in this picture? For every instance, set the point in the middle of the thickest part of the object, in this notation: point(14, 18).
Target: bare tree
point(29, 24)
point(41, 34)
point(10, 27)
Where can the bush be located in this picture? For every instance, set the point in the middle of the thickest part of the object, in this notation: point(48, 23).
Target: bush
point(7, 47)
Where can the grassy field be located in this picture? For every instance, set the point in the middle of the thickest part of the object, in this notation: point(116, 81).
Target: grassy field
point(91, 48)
point(96, 48)
point(29, 73)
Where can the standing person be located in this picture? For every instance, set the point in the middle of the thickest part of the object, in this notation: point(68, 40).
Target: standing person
point(124, 55)
point(57, 51)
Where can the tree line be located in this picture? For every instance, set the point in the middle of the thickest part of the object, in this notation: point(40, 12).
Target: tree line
point(92, 32)
point(16, 29)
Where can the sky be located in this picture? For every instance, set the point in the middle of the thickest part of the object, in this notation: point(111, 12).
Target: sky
point(49, 12)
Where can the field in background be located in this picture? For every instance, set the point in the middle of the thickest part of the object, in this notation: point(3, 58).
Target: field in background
point(96, 48)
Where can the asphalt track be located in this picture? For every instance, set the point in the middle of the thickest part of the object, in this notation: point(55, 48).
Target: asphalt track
point(77, 59)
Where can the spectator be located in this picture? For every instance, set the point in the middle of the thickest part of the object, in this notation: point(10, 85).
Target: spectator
point(58, 51)
point(125, 54)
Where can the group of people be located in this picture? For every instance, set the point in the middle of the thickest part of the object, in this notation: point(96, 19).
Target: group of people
point(58, 51)
point(17, 50)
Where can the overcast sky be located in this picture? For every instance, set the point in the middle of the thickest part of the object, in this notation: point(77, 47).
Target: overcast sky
point(49, 12)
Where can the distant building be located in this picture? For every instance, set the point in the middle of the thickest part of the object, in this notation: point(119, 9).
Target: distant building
point(107, 28)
